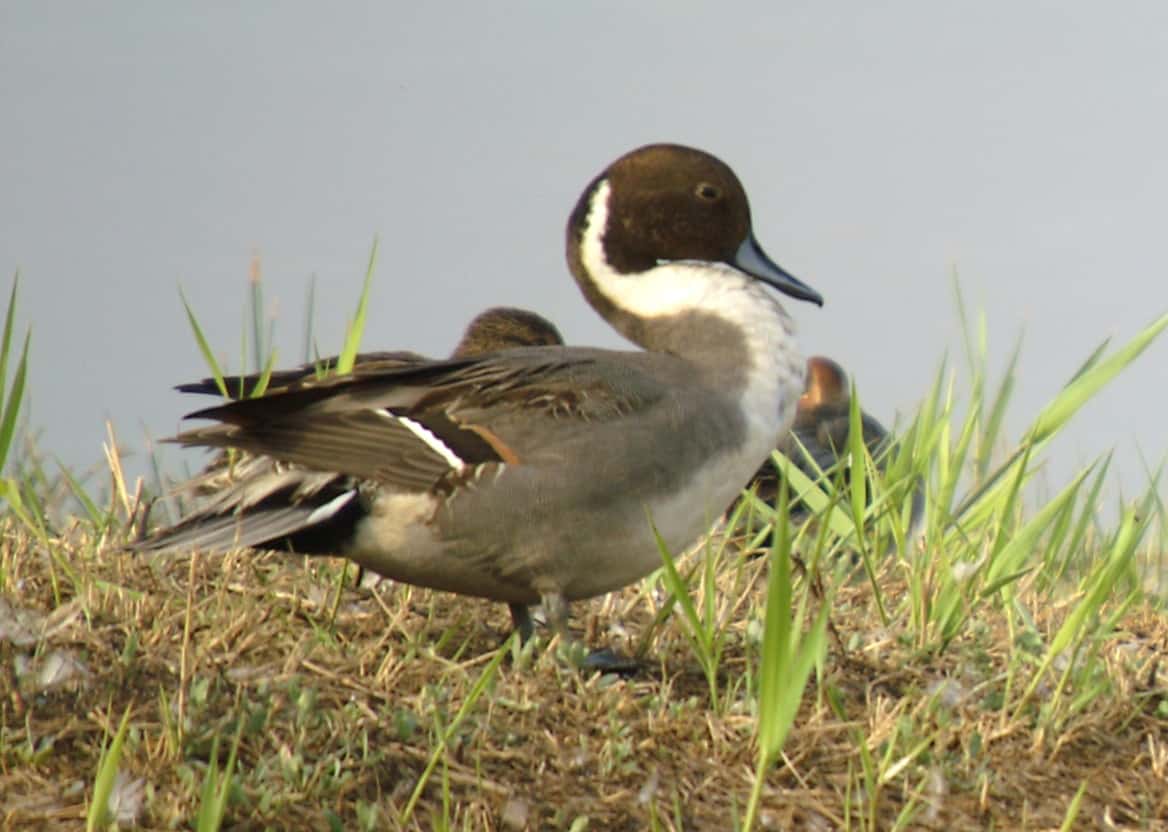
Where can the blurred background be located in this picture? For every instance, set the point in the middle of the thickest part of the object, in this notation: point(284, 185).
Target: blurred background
point(1017, 146)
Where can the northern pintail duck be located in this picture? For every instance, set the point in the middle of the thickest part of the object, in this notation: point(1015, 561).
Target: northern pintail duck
point(541, 474)
point(819, 435)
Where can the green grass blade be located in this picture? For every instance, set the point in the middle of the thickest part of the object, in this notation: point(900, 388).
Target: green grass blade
point(204, 346)
point(13, 400)
point(811, 493)
point(217, 787)
point(204, 820)
point(963, 323)
point(1091, 359)
point(700, 635)
point(788, 656)
point(776, 643)
point(1091, 376)
point(1022, 542)
point(265, 378)
point(97, 517)
point(309, 321)
point(1096, 588)
point(256, 301)
point(1086, 383)
point(1073, 809)
point(357, 327)
point(858, 470)
point(997, 411)
point(9, 324)
point(103, 784)
point(477, 689)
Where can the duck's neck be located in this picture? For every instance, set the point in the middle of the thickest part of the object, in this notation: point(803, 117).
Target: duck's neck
point(711, 314)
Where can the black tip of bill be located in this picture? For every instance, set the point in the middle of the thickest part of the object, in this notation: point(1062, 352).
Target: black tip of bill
point(751, 259)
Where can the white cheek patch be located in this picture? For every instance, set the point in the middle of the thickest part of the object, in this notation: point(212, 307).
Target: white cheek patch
point(672, 286)
point(432, 442)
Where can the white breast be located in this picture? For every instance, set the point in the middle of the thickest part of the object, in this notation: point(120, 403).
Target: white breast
point(774, 377)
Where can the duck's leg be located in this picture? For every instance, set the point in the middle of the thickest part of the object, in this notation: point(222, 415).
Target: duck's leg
point(604, 660)
point(521, 618)
point(555, 610)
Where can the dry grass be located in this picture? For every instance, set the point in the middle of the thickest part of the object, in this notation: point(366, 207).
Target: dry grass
point(339, 717)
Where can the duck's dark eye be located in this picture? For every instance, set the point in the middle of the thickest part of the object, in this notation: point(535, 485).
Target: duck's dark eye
point(708, 192)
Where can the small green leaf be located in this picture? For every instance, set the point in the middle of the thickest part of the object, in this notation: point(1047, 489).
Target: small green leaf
point(204, 346)
point(107, 770)
point(353, 335)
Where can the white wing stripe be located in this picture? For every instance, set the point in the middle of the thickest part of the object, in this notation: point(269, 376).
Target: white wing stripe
point(330, 508)
point(433, 442)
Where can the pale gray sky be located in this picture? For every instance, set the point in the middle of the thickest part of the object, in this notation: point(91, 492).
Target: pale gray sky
point(146, 144)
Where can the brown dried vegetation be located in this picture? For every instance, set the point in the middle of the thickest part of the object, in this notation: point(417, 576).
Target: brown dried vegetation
point(338, 703)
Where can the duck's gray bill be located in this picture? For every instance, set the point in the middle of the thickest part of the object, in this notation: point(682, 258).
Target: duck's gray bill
point(751, 259)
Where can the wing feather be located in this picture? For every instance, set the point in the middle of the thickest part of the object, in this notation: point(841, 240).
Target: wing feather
point(413, 427)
